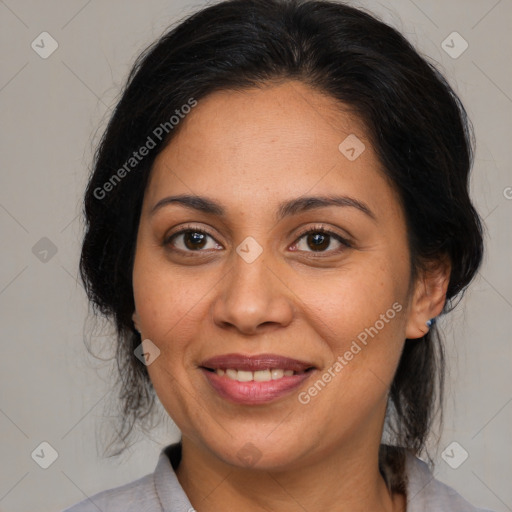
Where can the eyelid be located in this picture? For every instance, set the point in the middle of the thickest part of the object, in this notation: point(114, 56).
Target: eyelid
point(321, 228)
point(345, 242)
point(190, 227)
point(317, 228)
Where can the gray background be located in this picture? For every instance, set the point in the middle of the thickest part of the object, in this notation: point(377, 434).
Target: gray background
point(51, 109)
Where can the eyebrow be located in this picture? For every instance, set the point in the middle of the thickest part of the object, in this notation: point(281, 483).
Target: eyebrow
point(285, 209)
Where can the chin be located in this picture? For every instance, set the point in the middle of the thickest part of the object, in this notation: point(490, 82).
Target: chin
point(264, 454)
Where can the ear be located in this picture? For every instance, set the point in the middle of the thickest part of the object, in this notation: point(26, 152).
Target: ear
point(136, 319)
point(429, 297)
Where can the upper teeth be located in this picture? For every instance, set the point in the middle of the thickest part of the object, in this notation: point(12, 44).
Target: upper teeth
point(259, 376)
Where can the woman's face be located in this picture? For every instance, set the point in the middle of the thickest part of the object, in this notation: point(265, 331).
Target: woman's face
point(246, 292)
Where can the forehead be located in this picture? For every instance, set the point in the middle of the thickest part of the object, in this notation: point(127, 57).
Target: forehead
point(257, 147)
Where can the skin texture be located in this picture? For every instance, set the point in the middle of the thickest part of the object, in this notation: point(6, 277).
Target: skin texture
point(249, 151)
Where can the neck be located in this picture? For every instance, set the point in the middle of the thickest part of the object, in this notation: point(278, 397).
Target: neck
point(342, 480)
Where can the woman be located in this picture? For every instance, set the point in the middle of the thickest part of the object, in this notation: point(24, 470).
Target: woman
point(278, 212)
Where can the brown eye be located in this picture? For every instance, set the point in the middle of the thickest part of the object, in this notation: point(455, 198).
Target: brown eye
point(194, 240)
point(320, 240)
point(190, 240)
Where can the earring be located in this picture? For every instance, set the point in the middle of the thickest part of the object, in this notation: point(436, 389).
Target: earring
point(431, 322)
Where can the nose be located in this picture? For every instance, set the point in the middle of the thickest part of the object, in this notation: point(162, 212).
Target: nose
point(252, 298)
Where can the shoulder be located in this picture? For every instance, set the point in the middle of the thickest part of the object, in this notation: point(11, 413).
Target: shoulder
point(145, 494)
point(134, 496)
point(137, 495)
point(425, 493)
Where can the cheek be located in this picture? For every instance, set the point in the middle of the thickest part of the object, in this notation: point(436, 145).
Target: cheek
point(346, 302)
point(169, 300)
point(170, 305)
point(359, 313)
point(360, 318)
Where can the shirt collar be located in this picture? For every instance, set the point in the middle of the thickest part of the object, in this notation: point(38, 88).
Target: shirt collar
point(173, 498)
point(171, 495)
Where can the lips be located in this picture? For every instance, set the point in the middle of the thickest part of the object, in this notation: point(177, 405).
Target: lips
point(255, 379)
point(255, 363)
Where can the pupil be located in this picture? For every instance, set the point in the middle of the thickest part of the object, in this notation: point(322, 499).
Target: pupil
point(320, 241)
point(196, 238)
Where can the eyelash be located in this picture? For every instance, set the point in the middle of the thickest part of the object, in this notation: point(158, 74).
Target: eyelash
point(315, 229)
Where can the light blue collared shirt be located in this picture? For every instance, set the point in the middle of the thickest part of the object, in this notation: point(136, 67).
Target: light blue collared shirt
point(161, 491)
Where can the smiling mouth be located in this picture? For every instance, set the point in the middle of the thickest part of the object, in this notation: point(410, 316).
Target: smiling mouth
point(255, 379)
